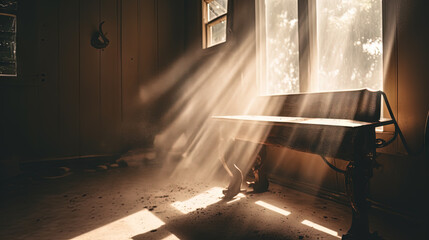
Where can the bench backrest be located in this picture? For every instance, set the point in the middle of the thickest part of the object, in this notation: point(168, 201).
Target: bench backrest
point(360, 105)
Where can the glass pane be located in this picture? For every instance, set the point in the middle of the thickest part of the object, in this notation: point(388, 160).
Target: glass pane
point(217, 8)
point(217, 33)
point(7, 45)
point(350, 44)
point(282, 49)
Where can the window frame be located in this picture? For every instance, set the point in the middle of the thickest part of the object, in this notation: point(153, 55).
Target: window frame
point(307, 40)
point(6, 77)
point(307, 44)
point(206, 24)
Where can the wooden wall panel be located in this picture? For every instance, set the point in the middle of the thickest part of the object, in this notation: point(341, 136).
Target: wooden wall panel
point(110, 86)
point(148, 40)
point(170, 31)
point(89, 79)
point(129, 61)
point(29, 76)
point(413, 74)
point(72, 99)
point(48, 107)
point(10, 121)
point(2, 123)
point(27, 44)
point(68, 82)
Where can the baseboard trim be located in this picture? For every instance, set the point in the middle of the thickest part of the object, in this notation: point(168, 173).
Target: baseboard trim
point(70, 161)
point(340, 198)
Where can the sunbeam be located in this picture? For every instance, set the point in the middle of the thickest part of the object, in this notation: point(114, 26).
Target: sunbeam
point(320, 228)
point(273, 208)
point(202, 200)
point(124, 228)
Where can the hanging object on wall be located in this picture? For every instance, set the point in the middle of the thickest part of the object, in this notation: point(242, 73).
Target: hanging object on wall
point(99, 39)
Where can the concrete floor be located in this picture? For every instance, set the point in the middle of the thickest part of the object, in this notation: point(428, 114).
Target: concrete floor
point(139, 203)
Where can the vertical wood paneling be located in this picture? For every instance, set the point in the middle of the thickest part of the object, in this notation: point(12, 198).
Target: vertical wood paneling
point(130, 49)
point(16, 114)
point(28, 41)
point(69, 77)
point(413, 74)
point(110, 81)
point(89, 79)
point(78, 96)
point(2, 123)
point(170, 31)
point(48, 107)
point(147, 39)
point(9, 121)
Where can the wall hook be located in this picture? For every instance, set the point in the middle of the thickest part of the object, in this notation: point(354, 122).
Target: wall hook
point(99, 39)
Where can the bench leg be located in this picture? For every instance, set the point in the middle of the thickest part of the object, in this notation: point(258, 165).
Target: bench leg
point(259, 172)
point(357, 178)
point(236, 176)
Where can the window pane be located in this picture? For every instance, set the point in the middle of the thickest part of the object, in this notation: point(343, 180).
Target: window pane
point(282, 60)
point(7, 45)
point(217, 33)
point(350, 49)
point(217, 8)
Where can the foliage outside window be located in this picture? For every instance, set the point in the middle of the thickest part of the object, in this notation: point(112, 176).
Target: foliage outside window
point(345, 45)
point(214, 22)
point(8, 63)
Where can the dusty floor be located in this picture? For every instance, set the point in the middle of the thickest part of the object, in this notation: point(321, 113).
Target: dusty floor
point(137, 203)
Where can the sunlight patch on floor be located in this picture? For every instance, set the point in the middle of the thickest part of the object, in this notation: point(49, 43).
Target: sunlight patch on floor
point(273, 208)
point(236, 198)
point(320, 228)
point(202, 200)
point(171, 237)
point(124, 228)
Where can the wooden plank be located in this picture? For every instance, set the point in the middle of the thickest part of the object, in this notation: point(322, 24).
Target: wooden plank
point(28, 43)
point(291, 121)
point(29, 73)
point(68, 83)
point(413, 84)
point(12, 104)
point(170, 31)
point(110, 80)
point(148, 51)
point(29, 127)
point(16, 115)
point(2, 122)
point(89, 75)
point(47, 24)
point(130, 46)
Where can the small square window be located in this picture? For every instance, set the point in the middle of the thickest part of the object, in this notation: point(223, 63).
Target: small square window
point(214, 22)
point(8, 63)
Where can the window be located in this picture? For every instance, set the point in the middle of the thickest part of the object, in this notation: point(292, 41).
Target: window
point(8, 38)
point(214, 22)
point(341, 45)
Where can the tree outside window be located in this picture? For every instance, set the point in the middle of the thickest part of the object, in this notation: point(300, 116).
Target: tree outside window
point(8, 9)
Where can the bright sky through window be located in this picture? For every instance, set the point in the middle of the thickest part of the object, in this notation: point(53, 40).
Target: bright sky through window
point(350, 45)
point(342, 45)
point(281, 47)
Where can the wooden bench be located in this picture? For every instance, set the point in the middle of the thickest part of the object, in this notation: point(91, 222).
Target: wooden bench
point(338, 124)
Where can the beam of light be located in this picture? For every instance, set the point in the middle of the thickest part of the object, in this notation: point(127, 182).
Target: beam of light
point(273, 208)
point(124, 228)
point(236, 198)
point(218, 85)
point(320, 228)
point(202, 200)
